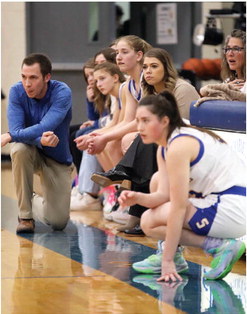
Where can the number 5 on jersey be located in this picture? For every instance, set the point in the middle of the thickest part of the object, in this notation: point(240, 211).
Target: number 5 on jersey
point(201, 224)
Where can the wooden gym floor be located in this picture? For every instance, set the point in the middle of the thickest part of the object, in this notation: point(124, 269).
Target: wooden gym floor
point(86, 269)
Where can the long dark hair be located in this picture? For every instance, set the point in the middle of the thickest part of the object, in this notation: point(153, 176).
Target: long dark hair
point(170, 72)
point(164, 104)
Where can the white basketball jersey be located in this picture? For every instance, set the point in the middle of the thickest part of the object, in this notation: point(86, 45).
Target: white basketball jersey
point(216, 168)
point(136, 91)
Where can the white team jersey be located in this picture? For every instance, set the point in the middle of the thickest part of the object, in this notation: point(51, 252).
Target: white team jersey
point(135, 91)
point(216, 168)
point(116, 102)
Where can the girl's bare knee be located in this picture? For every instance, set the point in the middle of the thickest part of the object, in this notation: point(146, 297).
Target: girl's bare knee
point(145, 222)
point(127, 140)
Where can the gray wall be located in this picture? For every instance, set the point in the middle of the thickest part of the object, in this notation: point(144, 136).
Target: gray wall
point(60, 29)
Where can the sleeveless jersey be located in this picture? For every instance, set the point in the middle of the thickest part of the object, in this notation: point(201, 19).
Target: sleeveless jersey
point(116, 102)
point(133, 89)
point(216, 168)
point(120, 95)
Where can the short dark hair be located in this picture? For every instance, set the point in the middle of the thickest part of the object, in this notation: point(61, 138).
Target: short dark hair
point(41, 59)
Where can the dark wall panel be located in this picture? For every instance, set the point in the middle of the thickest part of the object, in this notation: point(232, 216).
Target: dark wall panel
point(188, 15)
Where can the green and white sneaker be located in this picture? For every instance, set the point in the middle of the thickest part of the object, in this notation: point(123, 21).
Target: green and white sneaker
point(152, 264)
point(225, 257)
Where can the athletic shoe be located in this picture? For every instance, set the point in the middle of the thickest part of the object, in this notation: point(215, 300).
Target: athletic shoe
point(107, 216)
point(113, 176)
point(152, 264)
point(74, 191)
point(225, 257)
point(85, 202)
point(25, 226)
point(134, 232)
point(121, 216)
point(133, 221)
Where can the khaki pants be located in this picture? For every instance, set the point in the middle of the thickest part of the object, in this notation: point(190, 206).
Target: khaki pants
point(54, 207)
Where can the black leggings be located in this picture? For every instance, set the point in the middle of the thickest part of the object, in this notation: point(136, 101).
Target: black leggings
point(140, 164)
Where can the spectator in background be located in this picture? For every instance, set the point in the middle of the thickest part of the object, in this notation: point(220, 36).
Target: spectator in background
point(234, 60)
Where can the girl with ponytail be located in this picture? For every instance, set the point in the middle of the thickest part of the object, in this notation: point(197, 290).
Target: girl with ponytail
point(198, 196)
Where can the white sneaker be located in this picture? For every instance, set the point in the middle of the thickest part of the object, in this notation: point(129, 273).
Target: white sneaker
point(85, 202)
point(74, 190)
point(121, 216)
point(107, 216)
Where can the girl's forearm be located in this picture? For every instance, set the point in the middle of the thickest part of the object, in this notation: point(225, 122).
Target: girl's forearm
point(151, 200)
point(118, 131)
point(173, 232)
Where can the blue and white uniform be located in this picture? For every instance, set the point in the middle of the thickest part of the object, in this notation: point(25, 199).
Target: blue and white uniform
point(115, 104)
point(217, 187)
point(135, 92)
point(89, 163)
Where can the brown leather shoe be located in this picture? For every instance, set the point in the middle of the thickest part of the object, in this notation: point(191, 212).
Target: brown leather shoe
point(113, 176)
point(25, 226)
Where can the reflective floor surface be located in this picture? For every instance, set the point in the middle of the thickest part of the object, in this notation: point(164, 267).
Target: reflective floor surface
point(87, 269)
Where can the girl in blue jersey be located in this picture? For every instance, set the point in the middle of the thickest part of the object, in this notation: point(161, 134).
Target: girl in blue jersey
point(198, 195)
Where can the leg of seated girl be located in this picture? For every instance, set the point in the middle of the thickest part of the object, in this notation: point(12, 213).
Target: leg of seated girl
point(127, 140)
